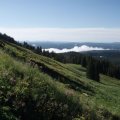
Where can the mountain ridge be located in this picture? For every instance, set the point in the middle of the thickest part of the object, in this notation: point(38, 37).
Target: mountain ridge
point(65, 91)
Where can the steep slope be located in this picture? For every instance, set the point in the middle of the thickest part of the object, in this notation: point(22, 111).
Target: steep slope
point(27, 93)
point(51, 90)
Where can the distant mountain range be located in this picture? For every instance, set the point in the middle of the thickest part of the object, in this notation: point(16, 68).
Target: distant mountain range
point(68, 45)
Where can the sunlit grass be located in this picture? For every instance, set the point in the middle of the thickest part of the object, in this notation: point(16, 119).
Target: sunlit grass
point(92, 97)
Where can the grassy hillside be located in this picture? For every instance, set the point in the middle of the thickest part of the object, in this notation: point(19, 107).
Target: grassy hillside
point(22, 85)
point(107, 92)
point(36, 87)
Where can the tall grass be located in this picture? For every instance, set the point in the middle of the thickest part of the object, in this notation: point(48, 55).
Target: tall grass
point(21, 86)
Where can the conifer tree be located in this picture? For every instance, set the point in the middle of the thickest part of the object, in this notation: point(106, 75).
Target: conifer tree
point(92, 70)
point(83, 61)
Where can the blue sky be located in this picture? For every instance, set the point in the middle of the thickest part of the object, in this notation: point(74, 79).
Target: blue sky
point(23, 18)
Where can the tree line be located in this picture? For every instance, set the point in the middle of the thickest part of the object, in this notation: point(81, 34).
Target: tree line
point(94, 66)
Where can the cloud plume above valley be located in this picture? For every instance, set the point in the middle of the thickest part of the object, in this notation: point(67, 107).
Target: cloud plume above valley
point(75, 49)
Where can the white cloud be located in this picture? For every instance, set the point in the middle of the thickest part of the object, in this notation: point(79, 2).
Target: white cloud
point(64, 34)
point(75, 49)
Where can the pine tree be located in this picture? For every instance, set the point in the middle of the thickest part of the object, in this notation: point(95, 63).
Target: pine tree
point(83, 61)
point(96, 72)
point(93, 70)
point(90, 70)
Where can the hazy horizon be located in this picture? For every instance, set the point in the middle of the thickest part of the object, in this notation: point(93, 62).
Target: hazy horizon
point(44, 41)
